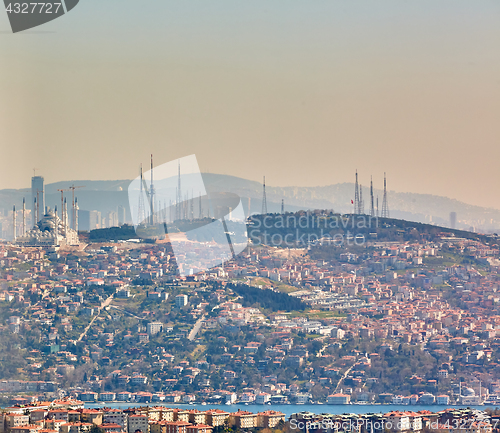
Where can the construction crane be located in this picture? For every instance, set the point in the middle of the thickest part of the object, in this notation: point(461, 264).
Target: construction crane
point(73, 204)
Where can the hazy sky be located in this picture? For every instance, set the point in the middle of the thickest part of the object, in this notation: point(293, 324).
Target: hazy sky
point(304, 92)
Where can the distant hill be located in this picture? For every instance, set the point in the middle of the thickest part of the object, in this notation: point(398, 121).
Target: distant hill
point(106, 196)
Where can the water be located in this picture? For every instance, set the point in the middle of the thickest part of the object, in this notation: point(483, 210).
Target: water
point(289, 409)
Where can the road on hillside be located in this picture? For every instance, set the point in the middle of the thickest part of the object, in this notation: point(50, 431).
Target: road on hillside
point(196, 328)
point(103, 305)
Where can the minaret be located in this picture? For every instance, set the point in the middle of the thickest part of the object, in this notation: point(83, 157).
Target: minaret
point(282, 206)
point(264, 199)
point(23, 233)
point(76, 215)
point(63, 217)
point(66, 218)
point(200, 209)
point(372, 209)
point(14, 223)
point(356, 195)
point(57, 225)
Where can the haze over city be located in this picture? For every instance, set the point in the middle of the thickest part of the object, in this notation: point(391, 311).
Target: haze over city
point(303, 93)
point(243, 216)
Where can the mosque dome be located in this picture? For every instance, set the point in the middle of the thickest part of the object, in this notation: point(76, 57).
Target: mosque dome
point(49, 222)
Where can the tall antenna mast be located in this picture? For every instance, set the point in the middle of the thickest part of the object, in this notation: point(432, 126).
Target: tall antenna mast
point(385, 206)
point(191, 207)
point(152, 196)
point(361, 202)
point(356, 195)
point(140, 211)
point(372, 209)
point(179, 194)
point(264, 199)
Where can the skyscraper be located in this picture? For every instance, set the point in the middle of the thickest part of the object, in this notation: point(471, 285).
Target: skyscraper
point(122, 216)
point(453, 219)
point(37, 199)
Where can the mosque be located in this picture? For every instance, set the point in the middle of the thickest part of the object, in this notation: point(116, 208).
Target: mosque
point(49, 231)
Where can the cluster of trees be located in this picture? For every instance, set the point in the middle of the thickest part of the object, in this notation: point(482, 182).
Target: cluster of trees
point(113, 234)
point(267, 299)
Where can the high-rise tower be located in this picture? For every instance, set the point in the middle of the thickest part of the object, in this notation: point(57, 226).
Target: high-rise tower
point(23, 232)
point(453, 220)
point(37, 198)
